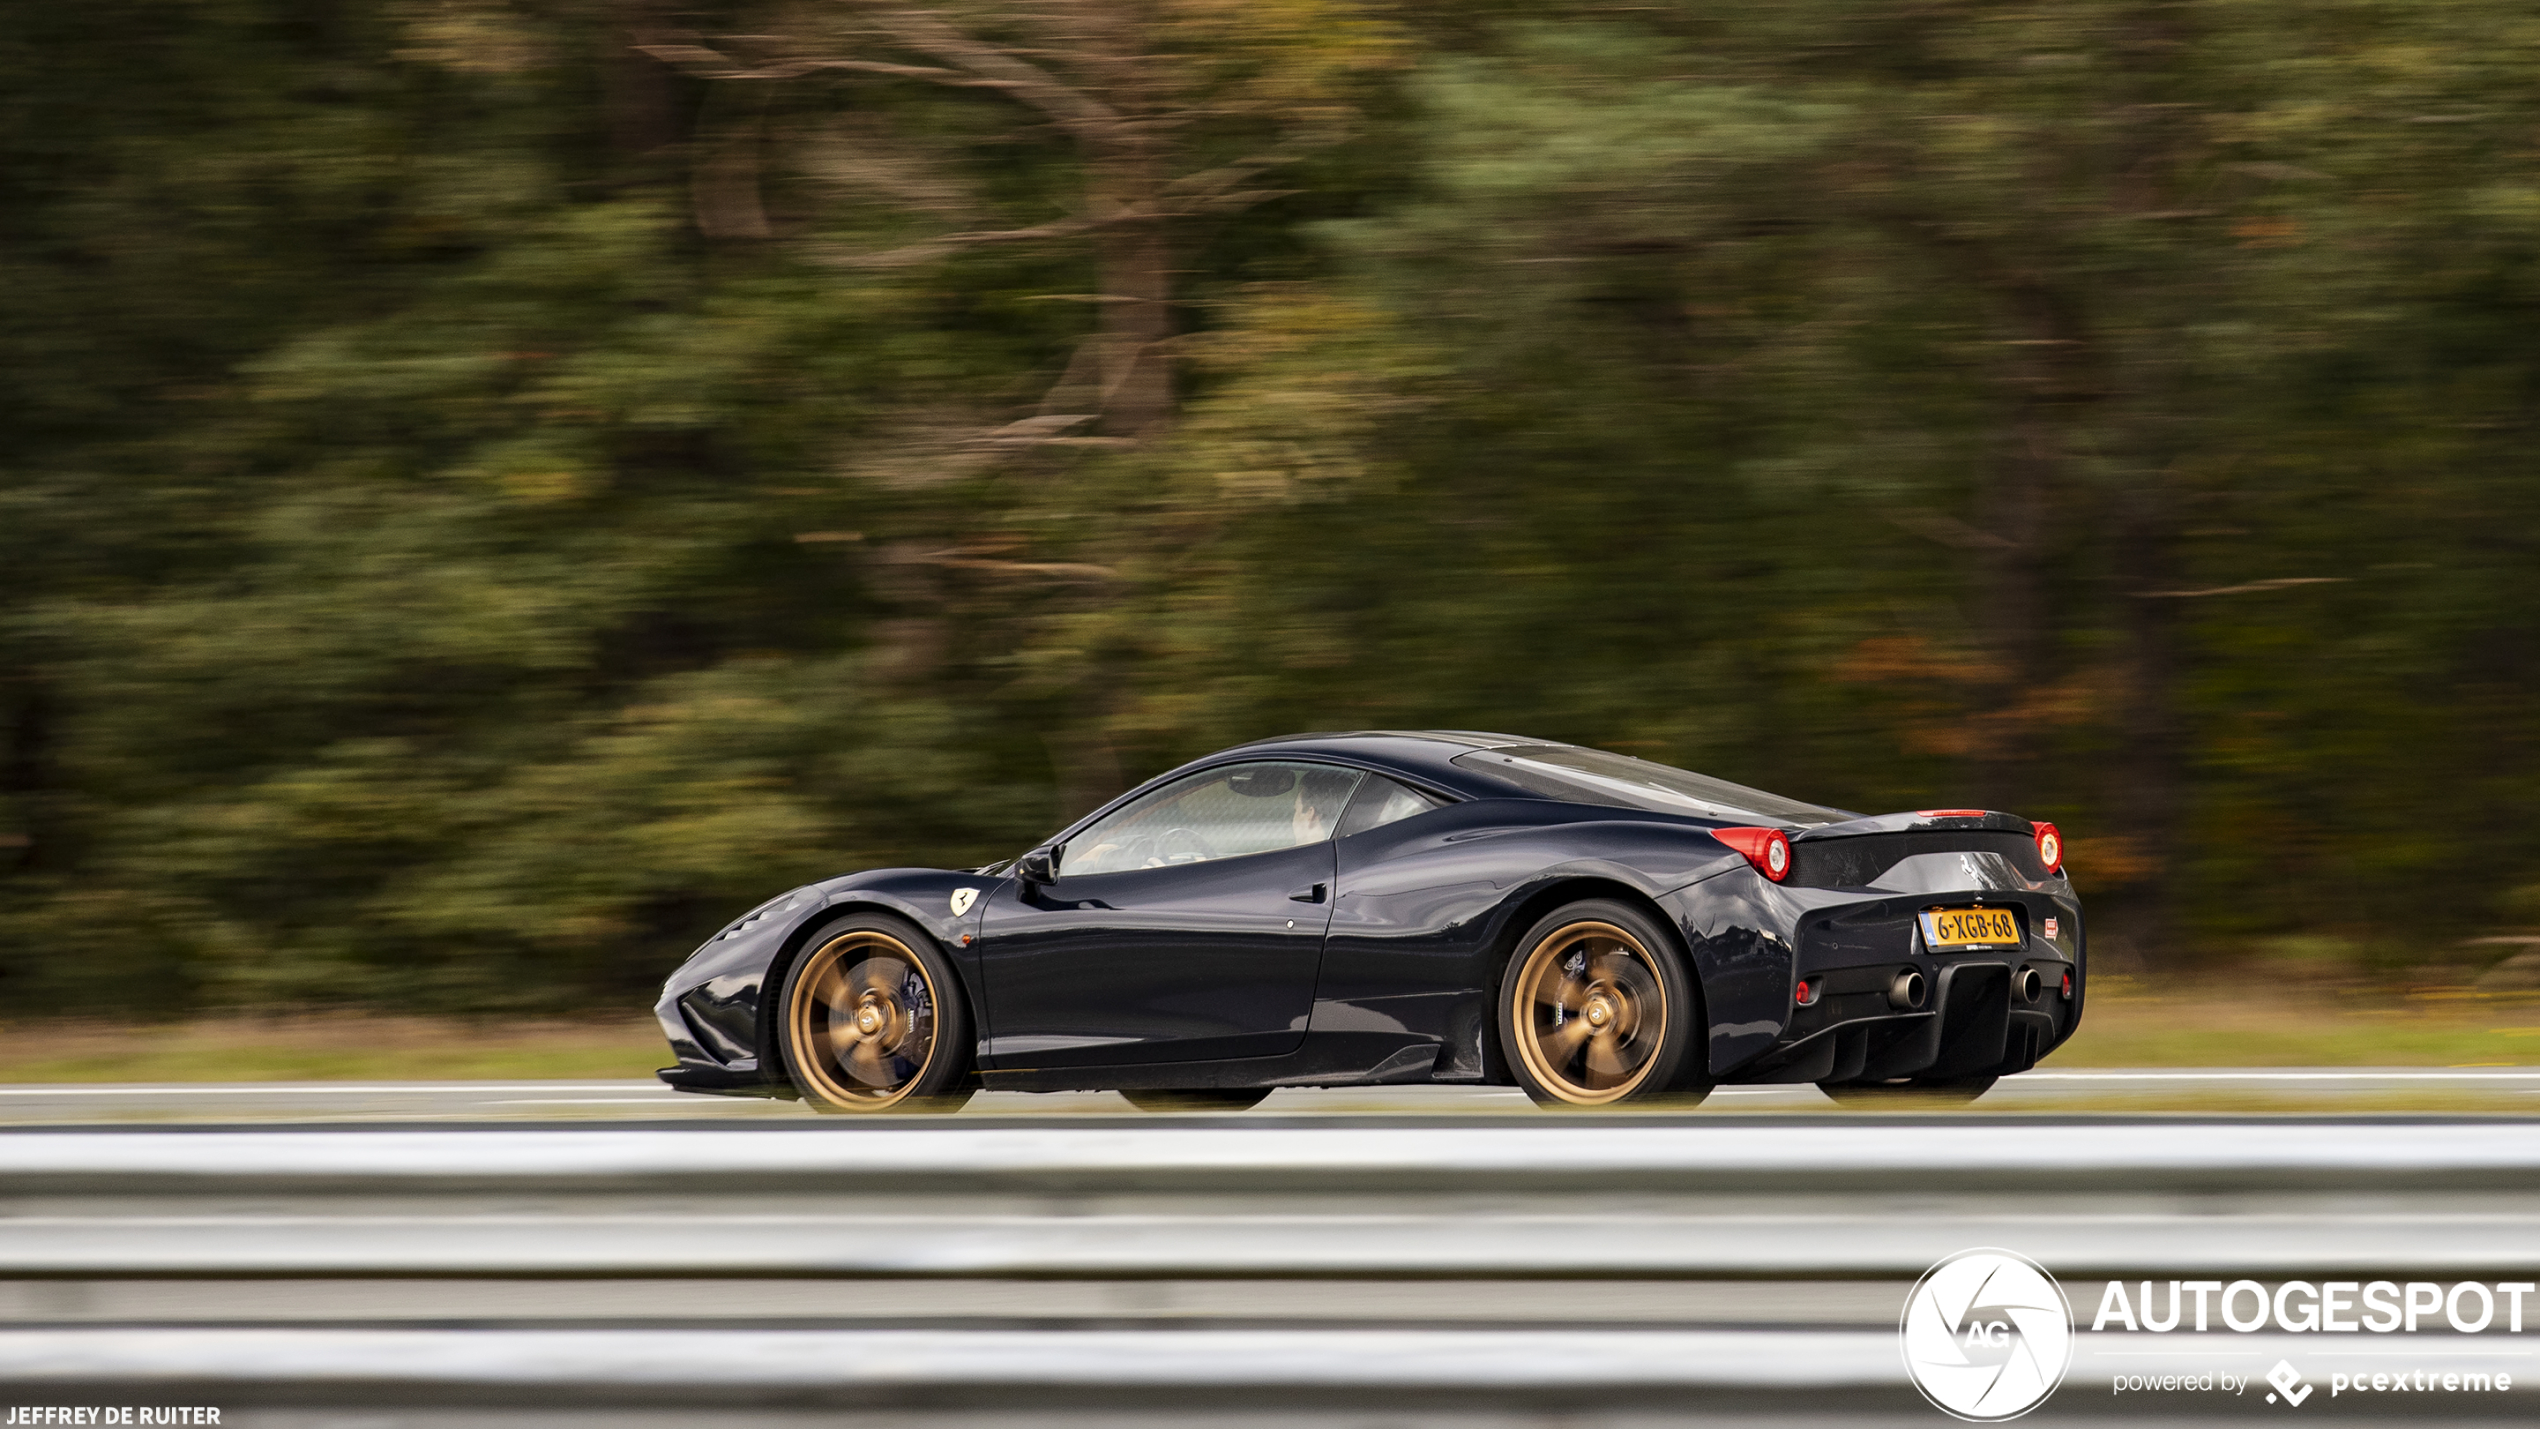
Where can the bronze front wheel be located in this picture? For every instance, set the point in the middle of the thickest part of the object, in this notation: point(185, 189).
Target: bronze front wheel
point(1596, 1009)
point(873, 1021)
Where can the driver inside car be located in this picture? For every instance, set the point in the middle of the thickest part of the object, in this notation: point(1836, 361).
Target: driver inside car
point(1249, 809)
point(1319, 799)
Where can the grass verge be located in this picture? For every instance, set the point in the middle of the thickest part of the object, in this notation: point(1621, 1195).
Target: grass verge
point(345, 1047)
point(2250, 1023)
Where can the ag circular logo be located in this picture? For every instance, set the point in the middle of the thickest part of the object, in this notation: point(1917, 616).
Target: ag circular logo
point(1988, 1335)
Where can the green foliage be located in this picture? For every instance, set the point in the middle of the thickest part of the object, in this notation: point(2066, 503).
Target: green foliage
point(484, 501)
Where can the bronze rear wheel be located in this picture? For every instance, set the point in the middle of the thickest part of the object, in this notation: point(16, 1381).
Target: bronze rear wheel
point(1595, 1009)
point(873, 1021)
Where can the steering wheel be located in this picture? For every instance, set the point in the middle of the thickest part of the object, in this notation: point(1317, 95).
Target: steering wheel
point(1182, 845)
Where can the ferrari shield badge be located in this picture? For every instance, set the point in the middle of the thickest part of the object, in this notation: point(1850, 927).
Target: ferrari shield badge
point(962, 898)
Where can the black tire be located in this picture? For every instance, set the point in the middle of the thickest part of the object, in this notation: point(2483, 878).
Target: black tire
point(1906, 1096)
point(1226, 1099)
point(1596, 1009)
point(872, 1019)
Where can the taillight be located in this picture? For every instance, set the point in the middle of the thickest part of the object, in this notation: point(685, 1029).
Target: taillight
point(1806, 995)
point(2050, 848)
point(1767, 849)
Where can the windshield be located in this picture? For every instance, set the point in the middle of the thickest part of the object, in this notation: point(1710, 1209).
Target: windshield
point(1592, 776)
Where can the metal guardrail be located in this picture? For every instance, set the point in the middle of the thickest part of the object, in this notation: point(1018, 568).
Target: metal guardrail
point(1011, 1263)
point(1434, 1359)
point(1816, 1373)
point(1202, 1156)
point(1683, 1243)
point(1872, 1200)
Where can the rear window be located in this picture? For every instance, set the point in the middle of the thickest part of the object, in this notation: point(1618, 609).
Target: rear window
point(1592, 776)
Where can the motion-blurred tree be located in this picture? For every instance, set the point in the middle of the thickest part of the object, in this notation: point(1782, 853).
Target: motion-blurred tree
point(1161, 120)
point(490, 488)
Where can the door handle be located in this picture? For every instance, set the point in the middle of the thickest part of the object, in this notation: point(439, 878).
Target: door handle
point(1313, 893)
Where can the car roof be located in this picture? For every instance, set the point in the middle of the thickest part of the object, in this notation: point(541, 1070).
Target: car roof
point(1420, 756)
point(1429, 756)
point(1424, 753)
point(1461, 738)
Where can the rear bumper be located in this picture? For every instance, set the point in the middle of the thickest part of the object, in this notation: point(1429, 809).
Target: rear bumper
point(1753, 943)
point(1973, 1024)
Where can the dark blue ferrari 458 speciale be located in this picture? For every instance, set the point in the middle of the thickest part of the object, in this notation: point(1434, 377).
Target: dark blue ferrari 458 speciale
point(1391, 907)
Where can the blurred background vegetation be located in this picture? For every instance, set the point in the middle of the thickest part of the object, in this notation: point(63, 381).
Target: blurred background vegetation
point(489, 490)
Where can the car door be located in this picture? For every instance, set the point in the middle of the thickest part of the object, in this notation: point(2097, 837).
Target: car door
point(1185, 926)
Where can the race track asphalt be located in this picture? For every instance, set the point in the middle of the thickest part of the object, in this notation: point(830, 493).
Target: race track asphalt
point(2511, 1091)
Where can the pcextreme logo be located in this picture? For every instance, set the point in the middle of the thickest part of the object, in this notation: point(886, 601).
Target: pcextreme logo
point(2288, 1384)
point(1987, 1335)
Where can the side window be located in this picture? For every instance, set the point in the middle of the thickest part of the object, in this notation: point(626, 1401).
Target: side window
point(1382, 802)
point(1218, 813)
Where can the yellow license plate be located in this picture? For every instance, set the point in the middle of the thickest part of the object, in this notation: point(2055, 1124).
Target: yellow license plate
point(1971, 927)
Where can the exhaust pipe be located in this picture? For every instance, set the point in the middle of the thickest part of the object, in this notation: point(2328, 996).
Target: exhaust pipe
point(1908, 991)
point(2029, 984)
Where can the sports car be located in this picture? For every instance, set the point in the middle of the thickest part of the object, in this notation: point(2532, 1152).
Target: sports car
point(1387, 907)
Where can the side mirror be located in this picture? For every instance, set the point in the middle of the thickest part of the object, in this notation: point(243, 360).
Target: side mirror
point(1040, 865)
